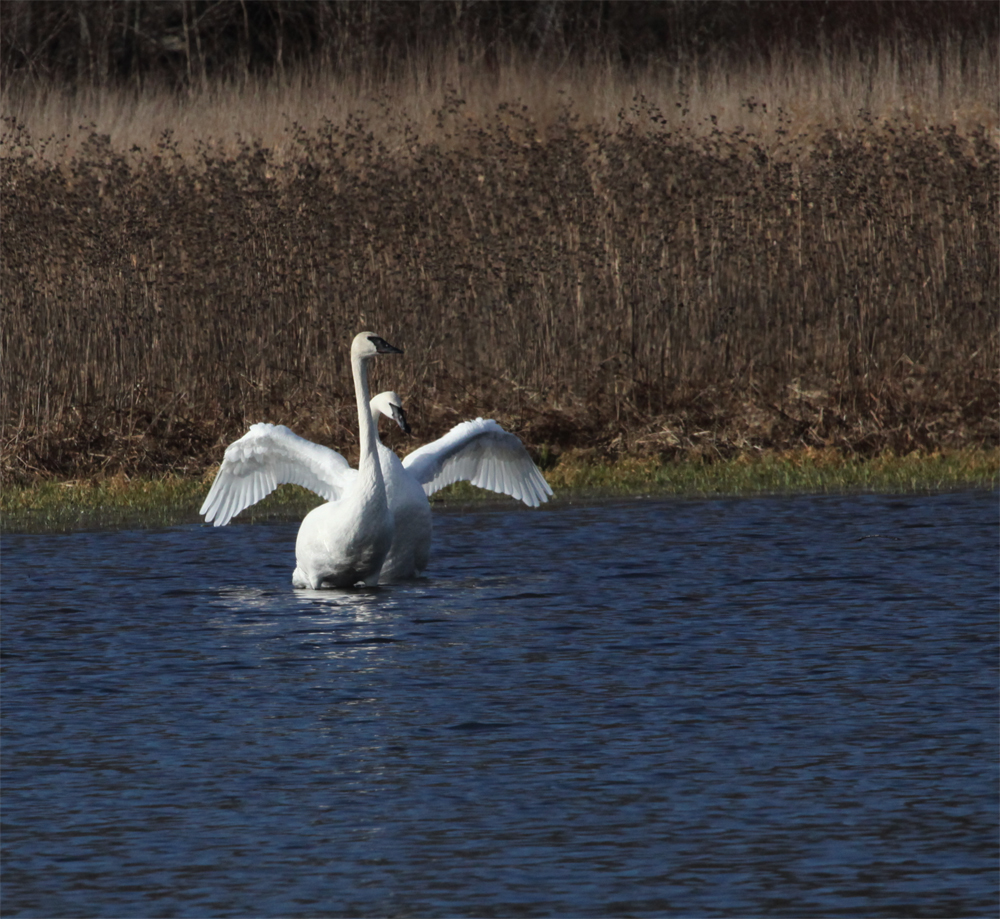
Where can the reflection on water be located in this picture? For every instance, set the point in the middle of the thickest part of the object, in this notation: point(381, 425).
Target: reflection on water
point(773, 706)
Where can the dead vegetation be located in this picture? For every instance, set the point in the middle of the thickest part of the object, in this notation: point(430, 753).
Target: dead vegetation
point(659, 283)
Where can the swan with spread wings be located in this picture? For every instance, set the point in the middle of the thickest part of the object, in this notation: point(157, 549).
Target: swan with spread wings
point(479, 451)
point(343, 542)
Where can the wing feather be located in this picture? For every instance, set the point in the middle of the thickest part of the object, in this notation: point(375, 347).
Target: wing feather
point(483, 453)
point(267, 456)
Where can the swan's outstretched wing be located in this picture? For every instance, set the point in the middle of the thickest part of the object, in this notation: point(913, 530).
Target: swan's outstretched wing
point(267, 456)
point(483, 453)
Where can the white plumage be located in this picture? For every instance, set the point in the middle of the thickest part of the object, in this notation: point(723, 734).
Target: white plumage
point(483, 453)
point(343, 542)
point(267, 456)
point(480, 452)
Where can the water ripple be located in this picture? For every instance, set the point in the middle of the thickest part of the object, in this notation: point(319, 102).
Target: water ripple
point(721, 708)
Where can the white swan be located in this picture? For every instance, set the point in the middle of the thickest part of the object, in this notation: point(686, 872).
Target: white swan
point(479, 451)
point(344, 541)
point(411, 511)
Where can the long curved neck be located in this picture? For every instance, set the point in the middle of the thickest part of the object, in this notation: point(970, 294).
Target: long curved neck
point(368, 464)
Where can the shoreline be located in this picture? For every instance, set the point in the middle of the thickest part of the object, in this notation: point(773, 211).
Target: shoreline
point(120, 502)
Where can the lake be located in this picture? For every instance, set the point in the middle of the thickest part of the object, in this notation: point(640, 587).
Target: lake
point(772, 706)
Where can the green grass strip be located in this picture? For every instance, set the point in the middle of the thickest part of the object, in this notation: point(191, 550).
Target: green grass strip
point(798, 472)
point(171, 499)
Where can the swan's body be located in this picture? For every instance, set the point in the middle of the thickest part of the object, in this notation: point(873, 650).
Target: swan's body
point(480, 452)
point(340, 543)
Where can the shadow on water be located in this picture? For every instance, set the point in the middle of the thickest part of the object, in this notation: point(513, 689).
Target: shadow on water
point(782, 706)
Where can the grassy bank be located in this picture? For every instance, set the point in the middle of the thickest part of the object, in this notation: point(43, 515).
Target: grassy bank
point(172, 499)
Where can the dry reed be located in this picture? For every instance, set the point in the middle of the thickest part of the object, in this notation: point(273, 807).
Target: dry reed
point(670, 280)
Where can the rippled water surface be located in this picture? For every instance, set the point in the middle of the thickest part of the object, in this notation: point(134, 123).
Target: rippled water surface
point(735, 707)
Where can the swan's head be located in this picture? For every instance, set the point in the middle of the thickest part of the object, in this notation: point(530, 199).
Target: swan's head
point(367, 344)
point(390, 405)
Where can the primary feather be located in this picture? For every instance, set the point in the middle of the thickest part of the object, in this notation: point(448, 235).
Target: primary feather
point(267, 456)
point(483, 453)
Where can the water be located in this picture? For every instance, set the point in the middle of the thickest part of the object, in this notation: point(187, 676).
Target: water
point(696, 708)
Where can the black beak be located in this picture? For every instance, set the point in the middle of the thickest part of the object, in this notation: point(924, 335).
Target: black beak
point(382, 346)
point(399, 416)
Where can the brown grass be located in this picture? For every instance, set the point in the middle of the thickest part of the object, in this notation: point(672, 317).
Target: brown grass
point(671, 271)
point(950, 83)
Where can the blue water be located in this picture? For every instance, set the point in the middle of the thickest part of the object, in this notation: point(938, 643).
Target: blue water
point(781, 707)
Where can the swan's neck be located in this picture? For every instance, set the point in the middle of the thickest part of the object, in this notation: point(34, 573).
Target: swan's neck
point(368, 464)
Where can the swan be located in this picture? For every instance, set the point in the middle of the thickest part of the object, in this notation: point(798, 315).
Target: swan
point(480, 452)
point(344, 541)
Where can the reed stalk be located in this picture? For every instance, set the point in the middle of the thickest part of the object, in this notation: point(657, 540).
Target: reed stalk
point(672, 261)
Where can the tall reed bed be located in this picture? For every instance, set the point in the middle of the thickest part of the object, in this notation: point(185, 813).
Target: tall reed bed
point(663, 280)
point(951, 82)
